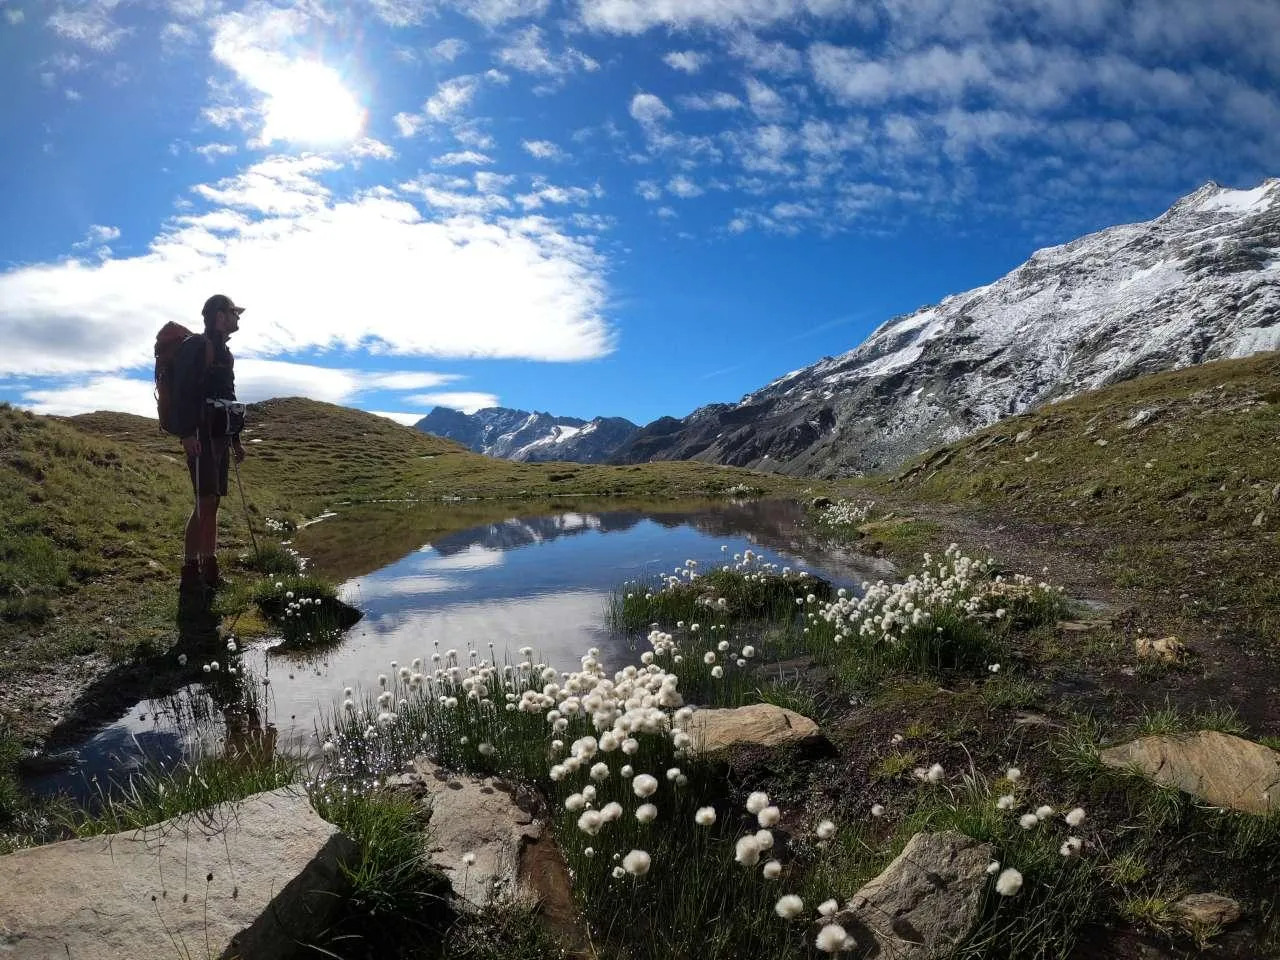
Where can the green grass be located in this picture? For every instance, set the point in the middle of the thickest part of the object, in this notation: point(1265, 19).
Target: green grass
point(1214, 467)
point(154, 794)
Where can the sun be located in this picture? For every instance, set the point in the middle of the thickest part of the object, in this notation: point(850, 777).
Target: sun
point(307, 103)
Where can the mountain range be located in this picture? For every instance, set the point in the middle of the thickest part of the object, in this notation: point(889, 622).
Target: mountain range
point(537, 437)
point(1199, 282)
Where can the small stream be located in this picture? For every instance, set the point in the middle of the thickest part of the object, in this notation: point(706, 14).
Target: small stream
point(539, 581)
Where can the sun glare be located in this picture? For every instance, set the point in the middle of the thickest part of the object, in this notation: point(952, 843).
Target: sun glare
point(308, 103)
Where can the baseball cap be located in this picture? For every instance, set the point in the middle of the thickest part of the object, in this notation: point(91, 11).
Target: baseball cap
point(219, 301)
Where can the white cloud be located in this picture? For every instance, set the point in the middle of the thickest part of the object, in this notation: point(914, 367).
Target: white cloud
point(766, 103)
point(90, 25)
point(450, 48)
point(649, 190)
point(648, 110)
point(371, 148)
point(14, 16)
point(450, 98)
point(544, 192)
point(210, 151)
point(714, 100)
point(494, 13)
point(404, 419)
point(527, 52)
point(688, 61)
point(277, 239)
point(401, 13)
point(542, 149)
point(465, 401)
point(637, 16)
point(767, 56)
point(256, 380)
point(408, 124)
point(97, 234)
point(682, 186)
point(462, 158)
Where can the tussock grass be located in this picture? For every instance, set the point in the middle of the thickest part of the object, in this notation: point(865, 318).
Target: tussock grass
point(156, 793)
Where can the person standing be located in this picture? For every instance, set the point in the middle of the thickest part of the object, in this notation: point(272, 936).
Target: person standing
point(209, 420)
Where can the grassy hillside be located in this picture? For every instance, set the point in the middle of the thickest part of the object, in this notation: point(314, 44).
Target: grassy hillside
point(93, 508)
point(1170, 482)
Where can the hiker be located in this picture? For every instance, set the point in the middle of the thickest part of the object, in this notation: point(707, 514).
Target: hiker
point(207, 418)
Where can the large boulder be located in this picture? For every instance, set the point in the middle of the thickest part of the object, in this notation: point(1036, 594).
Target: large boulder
point(755, 725)
point(925, 902)
point(1218, 768)
point(244, 879)
point(477, 830)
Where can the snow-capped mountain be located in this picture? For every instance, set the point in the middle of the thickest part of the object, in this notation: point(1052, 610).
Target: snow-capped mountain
point(1200, 282)
point(520, 435)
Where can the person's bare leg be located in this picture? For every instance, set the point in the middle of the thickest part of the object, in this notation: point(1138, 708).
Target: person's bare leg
point(208, 545)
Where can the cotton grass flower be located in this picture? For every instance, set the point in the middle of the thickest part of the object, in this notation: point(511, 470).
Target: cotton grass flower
point(993, 868)
point(1075, 817)
point(705, 816)
point(575, 802)
point(757, 801)
point(877, 810)
point(637, 863)
point(828, 908)
point(772, 870)
point(1045, 812)
point(1006, 802)
point(618, 873)
point(611, 811)
point(826, 830)
point(789, 906)
point(769, 816)
point(1012, 774)
point(1071, 846)
point(600, 771)
point(646, 813)
point(590, 822)
point(747, 852)
point(1009, 882)
point(644, 785)
point(1028, 820)
point(833, 938)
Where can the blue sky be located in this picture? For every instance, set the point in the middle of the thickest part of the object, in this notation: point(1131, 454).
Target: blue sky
point(592, 207)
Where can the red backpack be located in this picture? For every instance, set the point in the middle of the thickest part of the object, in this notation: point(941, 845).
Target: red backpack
point(168, 340)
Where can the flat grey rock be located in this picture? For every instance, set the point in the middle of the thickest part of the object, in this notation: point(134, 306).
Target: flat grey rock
point(472, 817)
point(925, 902)
point(143, 895)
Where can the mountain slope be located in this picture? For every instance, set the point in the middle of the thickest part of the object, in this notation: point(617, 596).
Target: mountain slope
point(535, 437)
point(1199, 282)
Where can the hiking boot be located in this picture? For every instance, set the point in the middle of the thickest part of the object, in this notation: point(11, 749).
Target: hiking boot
point(192, 581)
point(209, 569)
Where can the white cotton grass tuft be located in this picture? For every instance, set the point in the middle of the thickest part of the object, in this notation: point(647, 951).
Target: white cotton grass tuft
point(1012, 774)
point(764, 840)
point(826, 830)
point(1028, 820)
point(1009, 882)
point(705, 817)
point(611, 811)
point(637, 863)
point(747, 851)
point(789, 906)
point(1044, 812)
point(769, 816)
point(1075, 817)
point(646, 813)
point(828, 908)
point(1006, 802)
point(600, 771)
point(877, 810)
point(644, 785)
point(590, 822)
point(1071, 846)
point(757, 802)
point(993, 868)
point(575, 802)
point(833, 938)
point(772, 870)
point(618, 873)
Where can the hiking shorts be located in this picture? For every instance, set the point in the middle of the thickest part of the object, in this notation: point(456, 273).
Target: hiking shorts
point(210, 470)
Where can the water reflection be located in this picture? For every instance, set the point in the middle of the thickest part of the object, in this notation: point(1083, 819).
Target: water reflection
point(540, 581)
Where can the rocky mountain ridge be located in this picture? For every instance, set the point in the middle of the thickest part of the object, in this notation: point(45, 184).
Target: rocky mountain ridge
point(1199, 282)
point(536, 437)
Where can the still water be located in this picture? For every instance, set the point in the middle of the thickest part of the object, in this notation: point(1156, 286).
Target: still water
point(541, 581)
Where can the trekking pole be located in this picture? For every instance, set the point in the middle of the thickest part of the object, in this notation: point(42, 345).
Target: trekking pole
point(245, 503)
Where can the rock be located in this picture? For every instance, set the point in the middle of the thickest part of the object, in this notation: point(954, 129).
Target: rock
point(471, 815)
point(1082, 626)
point(755, 725)
point(1260, 519)
point(1218, 768)
point(1207, 909)
point(1024, 435)
point(821, 503)
point(1164, 650)
point(143, 894)
point(925, 902)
